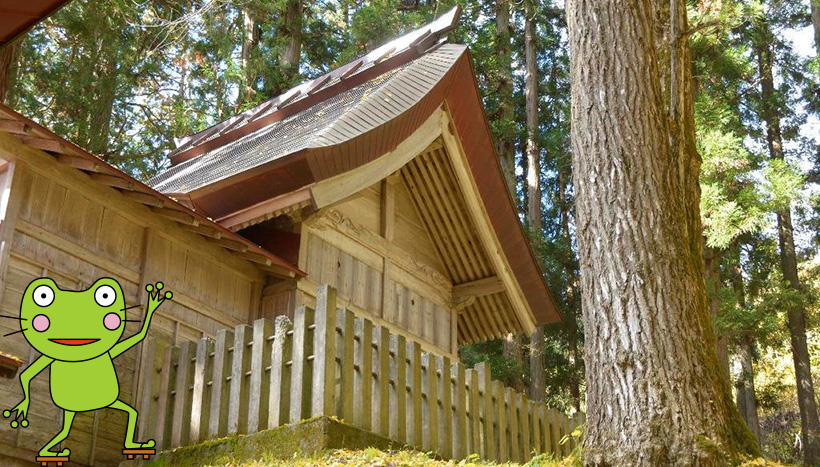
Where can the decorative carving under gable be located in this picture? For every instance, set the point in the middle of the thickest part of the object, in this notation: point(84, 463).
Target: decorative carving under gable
point(332, 219)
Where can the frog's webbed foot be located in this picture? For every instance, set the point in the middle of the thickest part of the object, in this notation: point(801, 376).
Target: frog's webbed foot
point(145, 445)
point(46, 453)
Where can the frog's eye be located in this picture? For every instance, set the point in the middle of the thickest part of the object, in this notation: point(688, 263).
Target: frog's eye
point(43, 295)
point(105, 295)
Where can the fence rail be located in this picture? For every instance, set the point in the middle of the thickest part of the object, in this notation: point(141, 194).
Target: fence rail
point(328, 362)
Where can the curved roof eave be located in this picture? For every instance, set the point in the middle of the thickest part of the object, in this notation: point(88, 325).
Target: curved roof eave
point(470, 123)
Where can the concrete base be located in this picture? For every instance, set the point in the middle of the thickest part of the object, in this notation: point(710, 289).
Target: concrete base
point(306, 438)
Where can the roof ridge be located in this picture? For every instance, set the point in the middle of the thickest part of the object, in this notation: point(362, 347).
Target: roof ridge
point(420, 39)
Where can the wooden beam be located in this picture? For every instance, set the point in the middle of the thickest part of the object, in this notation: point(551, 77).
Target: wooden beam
point(81, 163)
point(15, 126)
point(177, 216)
point(113, 181)
point(234, 245)
point(45, 144)
point(248, 215)
point(257, 258)
point(388, 218)
point(205, 230)
point(144, 198)
point(483, 225)
point(341, 186)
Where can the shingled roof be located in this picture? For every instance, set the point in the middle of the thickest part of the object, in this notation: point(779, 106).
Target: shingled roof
point(339, 118)
point(339, 104)
point(274, 157)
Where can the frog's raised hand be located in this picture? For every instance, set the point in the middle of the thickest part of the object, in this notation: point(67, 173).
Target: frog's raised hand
point(155, 298)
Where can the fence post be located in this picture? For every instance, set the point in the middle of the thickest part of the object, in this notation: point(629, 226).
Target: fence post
point(182, 401)
point(555, 432)
point(200, 399)
point(533, 408)
point(324, 353)
point(524, 417)
point(432, 402)
point(398, 403)
point(515, 446)
point(443, 365)
point(217, 425)
point(460, 446)
point(501, 405)
point(383, 408)
point(148, 414)
point(345, 321)
point(485, 386)
point(238, 404)
point(154, 355)
point(545, 434)
point(416, 392)
point(300, 381)
point(567, 432)
point(258, 390)
point(280, 368)
point(165, 402)
point(363, 387)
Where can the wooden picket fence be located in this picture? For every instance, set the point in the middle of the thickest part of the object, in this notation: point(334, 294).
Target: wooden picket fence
point(266, 375)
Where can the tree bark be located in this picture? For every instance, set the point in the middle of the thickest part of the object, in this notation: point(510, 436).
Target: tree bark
point(505, 146)
point(809, 422)
point(250, 41)
point(537, 382)
point(513, 349)
point(713, 284)
point(745, 385)
point(655, 395)
point(290, 56)
point(8, 67)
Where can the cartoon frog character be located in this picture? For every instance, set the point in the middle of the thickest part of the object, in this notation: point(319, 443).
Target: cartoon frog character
point(78, 334)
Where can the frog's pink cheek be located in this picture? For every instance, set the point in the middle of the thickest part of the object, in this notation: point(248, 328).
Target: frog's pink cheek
point(112, 321)
point(40, 323)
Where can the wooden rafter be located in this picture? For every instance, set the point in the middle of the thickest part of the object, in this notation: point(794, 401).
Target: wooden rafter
point(478, 288)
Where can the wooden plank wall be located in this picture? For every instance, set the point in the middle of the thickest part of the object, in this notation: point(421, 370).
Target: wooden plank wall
point(62, 225)
point(367, 278)
point(333, 362)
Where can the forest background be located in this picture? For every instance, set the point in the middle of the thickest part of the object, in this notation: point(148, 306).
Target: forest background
point(124, 78)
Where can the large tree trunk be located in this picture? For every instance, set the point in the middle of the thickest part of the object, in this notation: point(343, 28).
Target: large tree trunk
point(8, 67)
point(655, 395)
point(810, 425)
point(537, 384)
point(745, 385)
point(290, 56)
point(505, 145)
point(250, 41)
point(713, 284)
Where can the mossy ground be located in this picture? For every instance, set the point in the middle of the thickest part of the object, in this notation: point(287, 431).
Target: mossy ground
point(372, 457)
point(325, 442)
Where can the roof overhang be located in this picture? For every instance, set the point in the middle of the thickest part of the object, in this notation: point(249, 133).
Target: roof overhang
point(17, 17)
point(467, 133)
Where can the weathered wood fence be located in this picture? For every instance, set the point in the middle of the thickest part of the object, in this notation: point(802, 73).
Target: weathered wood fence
point(329, 362)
